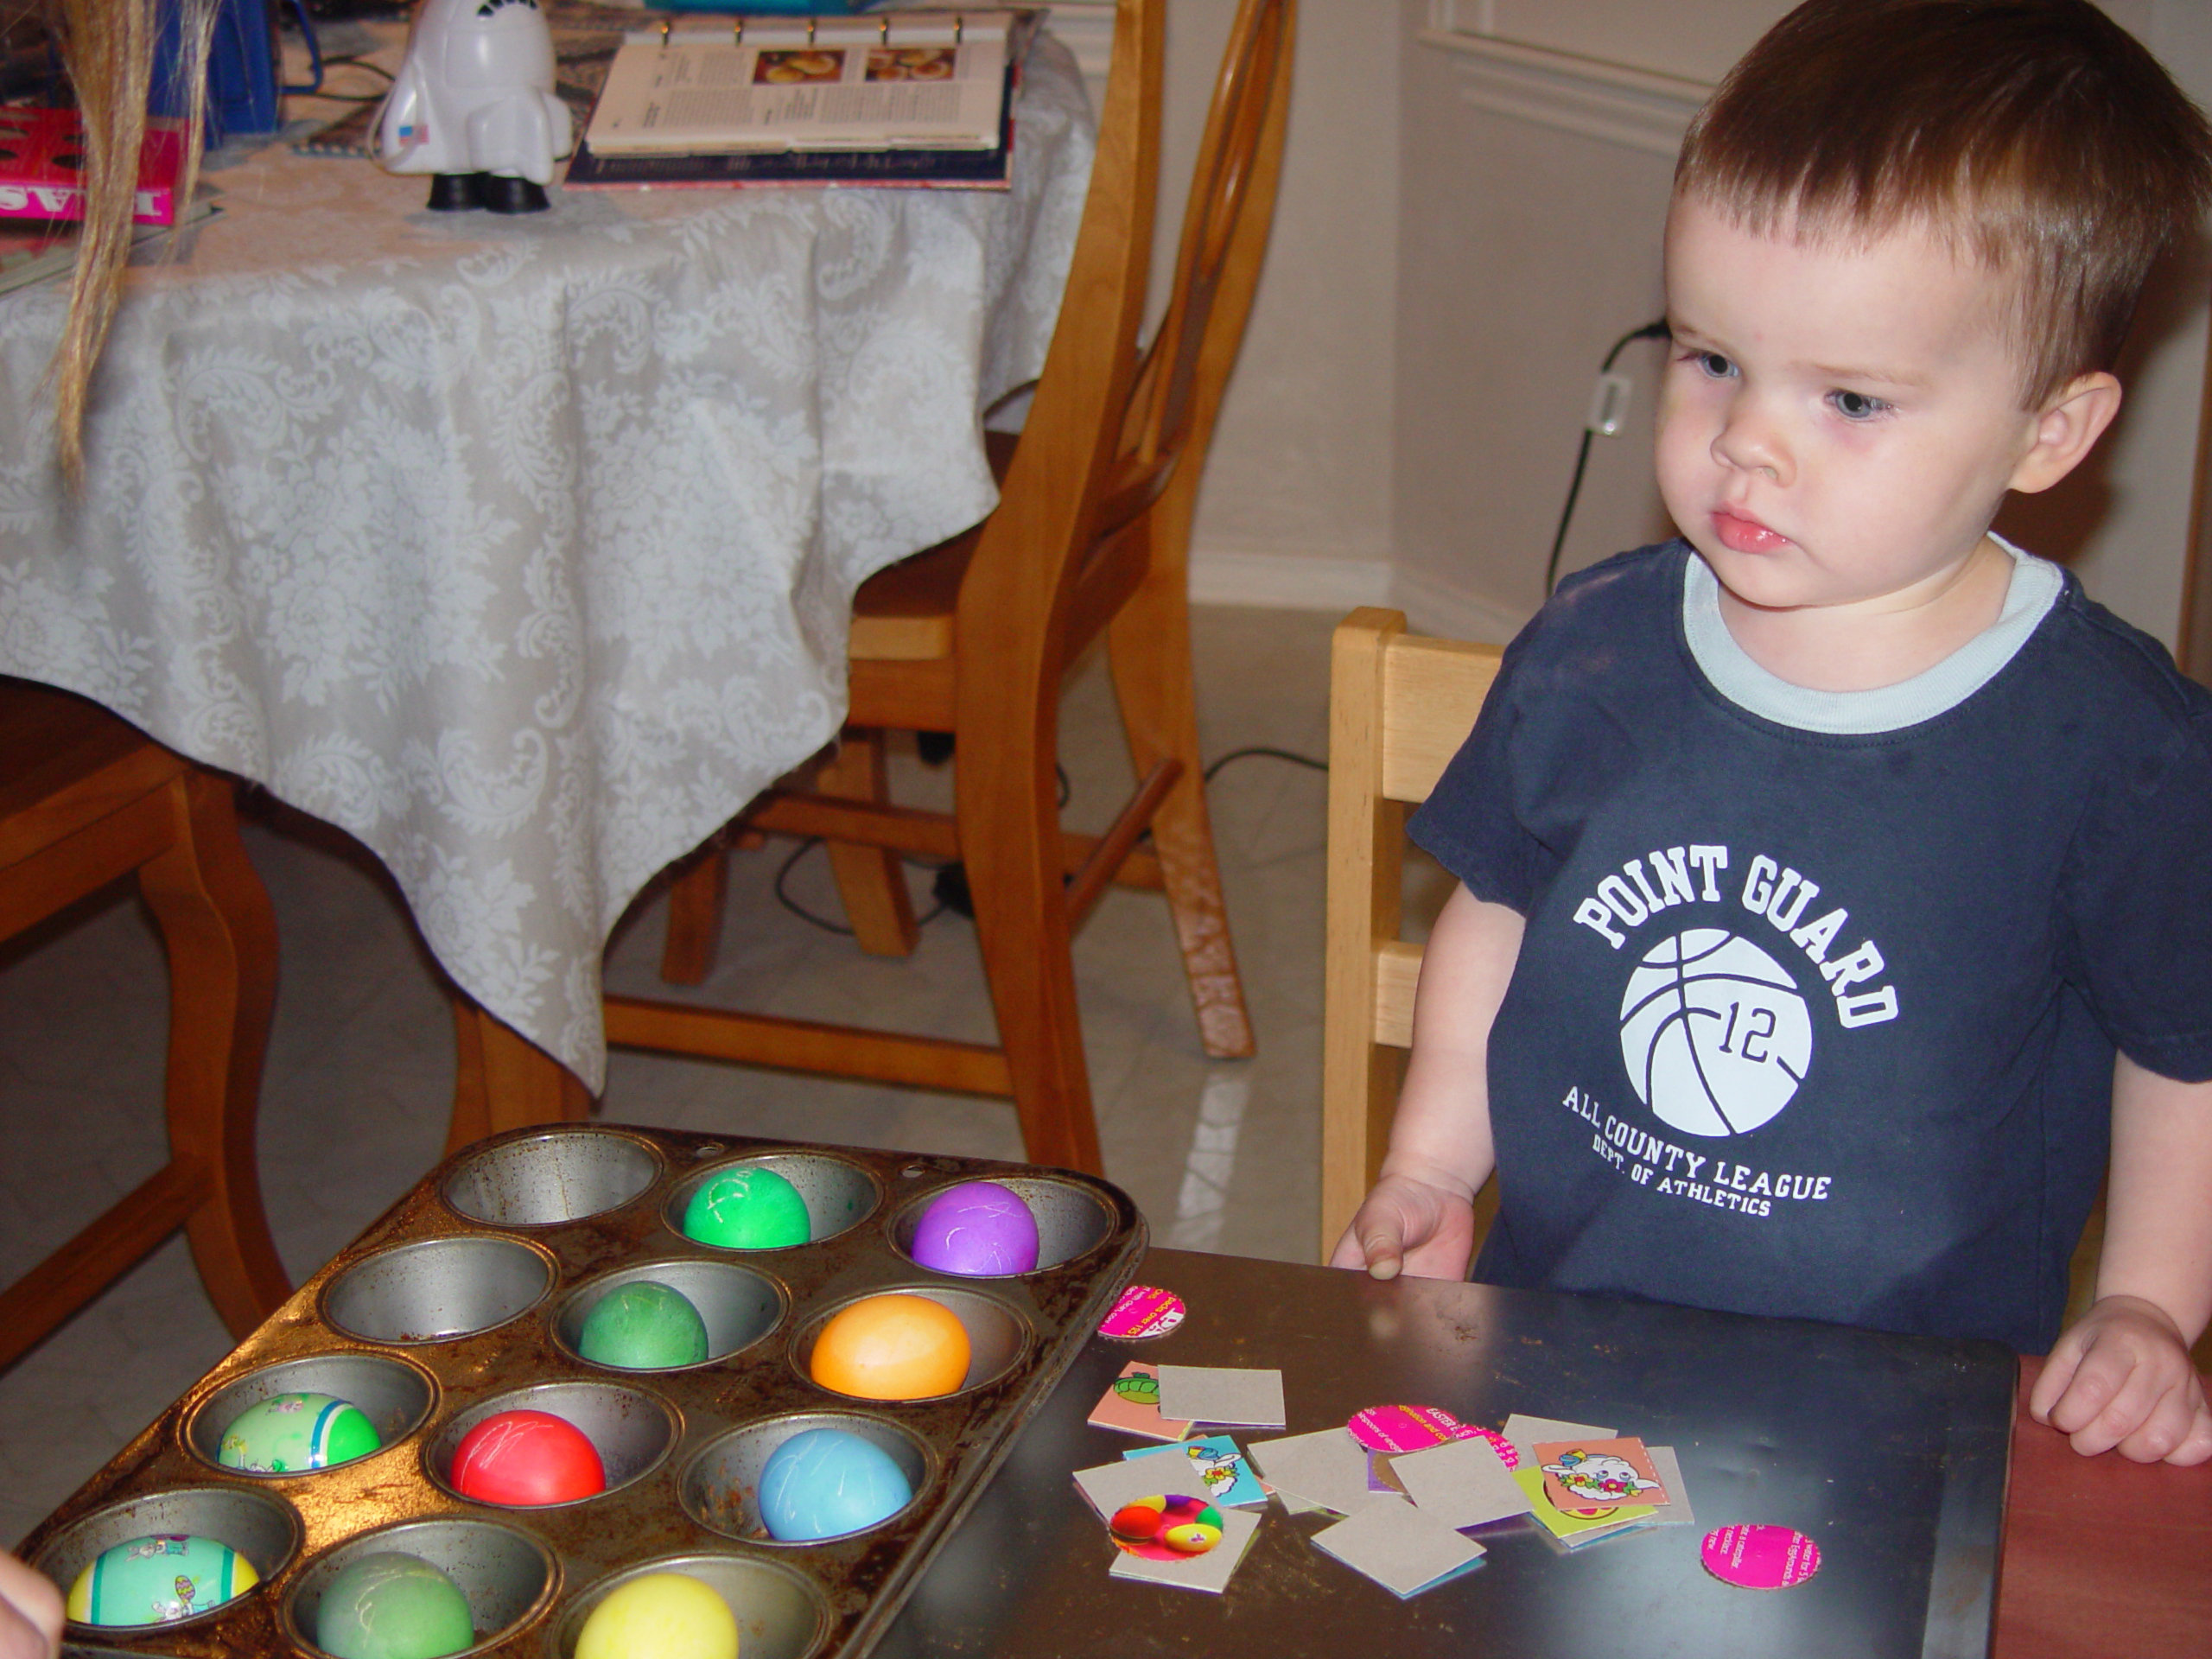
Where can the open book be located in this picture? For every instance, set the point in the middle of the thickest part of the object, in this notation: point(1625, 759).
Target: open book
point(929, 81)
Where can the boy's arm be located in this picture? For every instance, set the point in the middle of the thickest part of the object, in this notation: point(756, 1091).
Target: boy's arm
point(2121, 1376)
point(1419, 1216)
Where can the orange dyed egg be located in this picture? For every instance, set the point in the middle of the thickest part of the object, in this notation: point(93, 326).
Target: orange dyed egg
point(892, 1347)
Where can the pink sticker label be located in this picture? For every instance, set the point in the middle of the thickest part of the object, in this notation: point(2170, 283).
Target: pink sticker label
point(1143, 1310)
point(1408, 1429)
point(1760, 1558)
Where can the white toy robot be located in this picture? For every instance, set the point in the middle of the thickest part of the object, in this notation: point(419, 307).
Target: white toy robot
point(474, 104)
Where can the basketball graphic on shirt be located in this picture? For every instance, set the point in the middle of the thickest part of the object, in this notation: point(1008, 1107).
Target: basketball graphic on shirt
point(1714, 1033)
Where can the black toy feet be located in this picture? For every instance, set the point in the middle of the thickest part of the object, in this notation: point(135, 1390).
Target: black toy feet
point(454, 193)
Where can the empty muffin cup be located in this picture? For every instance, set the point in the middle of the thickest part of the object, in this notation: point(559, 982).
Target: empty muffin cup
point(780, 1613)
point(544, 1179)
point(505, 1576)
point(395, 1396)
point(721, 1489)
point(437, 1290)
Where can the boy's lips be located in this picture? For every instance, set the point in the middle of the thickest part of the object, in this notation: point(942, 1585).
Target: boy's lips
point(1739, 533)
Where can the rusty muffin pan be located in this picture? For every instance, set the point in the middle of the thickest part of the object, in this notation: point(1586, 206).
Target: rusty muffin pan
point(466, 1298)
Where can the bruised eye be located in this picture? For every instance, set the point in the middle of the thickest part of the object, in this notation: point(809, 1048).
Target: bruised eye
point(1857, 405)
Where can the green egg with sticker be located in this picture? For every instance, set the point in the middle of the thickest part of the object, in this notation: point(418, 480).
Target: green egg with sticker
point(159, 1580)
point(294, 1433)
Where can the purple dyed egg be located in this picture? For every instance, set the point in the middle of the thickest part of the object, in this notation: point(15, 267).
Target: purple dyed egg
point(978, 1228)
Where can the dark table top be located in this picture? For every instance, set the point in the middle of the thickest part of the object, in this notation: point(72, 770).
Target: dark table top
point(1889, 1452)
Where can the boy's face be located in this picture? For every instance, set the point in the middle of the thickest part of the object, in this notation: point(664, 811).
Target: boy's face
point(1836, 426)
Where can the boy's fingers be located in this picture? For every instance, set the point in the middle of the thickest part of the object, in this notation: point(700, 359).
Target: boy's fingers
point(2196, 1446)
point(1385, 1253)
point(2057, 1374)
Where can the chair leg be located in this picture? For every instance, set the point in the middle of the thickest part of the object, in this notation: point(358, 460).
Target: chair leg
point(503, 1081)
point(871, 882)
point(1149, 646)
point(220, 935)
point(695, 918)
point(1010, 843)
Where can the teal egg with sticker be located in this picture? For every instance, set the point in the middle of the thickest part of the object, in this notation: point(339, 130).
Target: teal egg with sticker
point(159, 1580)
point(749, 1208)
point(391, 1605)
point(643, 1326)
point(291, 1434)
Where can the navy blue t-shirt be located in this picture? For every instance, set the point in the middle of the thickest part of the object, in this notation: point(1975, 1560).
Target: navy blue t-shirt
point(1816, 1008)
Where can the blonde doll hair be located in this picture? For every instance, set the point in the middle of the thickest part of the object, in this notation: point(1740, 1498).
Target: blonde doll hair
point(108, 49)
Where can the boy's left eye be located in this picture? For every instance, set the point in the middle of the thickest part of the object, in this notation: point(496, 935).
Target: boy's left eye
point(1857, 405)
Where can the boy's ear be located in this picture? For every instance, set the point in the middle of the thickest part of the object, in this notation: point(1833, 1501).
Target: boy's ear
point(2067, 428)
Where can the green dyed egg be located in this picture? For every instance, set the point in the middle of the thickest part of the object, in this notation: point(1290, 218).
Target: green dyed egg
point(393, 1606)
point(643, 1326)
point(747, 1209)
point(159, 1580)
point(288, 1433)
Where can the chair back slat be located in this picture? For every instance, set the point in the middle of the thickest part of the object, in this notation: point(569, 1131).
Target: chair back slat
point(1179, 380)
point(1400, 706)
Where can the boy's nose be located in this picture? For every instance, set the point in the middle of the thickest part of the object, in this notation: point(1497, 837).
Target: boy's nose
point(1749, 442)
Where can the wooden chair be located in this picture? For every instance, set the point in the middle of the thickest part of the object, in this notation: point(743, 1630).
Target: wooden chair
point(1400, 706)
point(975, 637)
point(85, 799)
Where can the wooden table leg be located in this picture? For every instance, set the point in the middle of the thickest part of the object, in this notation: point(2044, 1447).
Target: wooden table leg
point(503, 1081)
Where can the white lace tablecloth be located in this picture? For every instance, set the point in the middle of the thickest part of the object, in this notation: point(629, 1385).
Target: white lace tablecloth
point(524, 549)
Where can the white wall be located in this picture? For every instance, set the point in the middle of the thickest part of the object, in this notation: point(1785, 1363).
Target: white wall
point(1296, 502)
point(1534, 185)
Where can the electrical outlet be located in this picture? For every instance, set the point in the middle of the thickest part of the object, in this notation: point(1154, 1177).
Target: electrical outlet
point(1609, 402)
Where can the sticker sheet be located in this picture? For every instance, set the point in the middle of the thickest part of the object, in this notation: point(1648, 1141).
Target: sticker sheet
point(1210, 1571)
point(1592, 1473)
point(1230, 1395)
point(1213, 1465)
point(1398, 1547)
point(1131, 1406)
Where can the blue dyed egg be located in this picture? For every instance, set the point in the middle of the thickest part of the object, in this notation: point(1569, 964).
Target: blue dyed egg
point(823, 1482)
point(979, 1229)
point(159, 1580)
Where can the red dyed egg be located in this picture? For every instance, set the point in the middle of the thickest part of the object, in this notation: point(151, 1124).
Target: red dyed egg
point(527, 1457)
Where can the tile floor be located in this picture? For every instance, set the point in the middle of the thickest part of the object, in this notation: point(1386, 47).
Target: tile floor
point(1220, 1156)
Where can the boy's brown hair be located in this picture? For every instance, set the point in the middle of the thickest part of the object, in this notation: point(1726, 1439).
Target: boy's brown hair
point(2034, 136)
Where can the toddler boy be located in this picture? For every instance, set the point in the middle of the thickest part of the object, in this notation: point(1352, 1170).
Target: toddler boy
point(1837, 882)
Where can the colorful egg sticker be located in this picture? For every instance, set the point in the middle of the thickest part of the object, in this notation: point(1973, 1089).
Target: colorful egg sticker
point(158, 1581)
point(748, 1208)
point(660, 1616)
point(289, 1433)
point(1143, 1310)
point(1169, 1528)
point(1760, 1558)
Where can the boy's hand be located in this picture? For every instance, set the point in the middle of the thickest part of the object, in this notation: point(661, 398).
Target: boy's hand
point(30, 1613)
point(2122, 1377)
point(1405, 1223)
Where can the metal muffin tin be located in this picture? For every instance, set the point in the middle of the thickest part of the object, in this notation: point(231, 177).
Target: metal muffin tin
point(466, 1298)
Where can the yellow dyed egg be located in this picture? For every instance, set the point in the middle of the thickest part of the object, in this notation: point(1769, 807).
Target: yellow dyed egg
point(158, 1581)
point(894, 1347)
point(660, 1616)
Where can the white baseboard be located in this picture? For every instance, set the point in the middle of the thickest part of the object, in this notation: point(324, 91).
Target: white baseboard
point(1452, 612)
point(1289, 581)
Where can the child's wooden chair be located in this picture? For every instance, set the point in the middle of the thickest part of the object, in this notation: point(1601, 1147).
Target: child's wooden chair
point(85, 800)
point(1400, 706)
